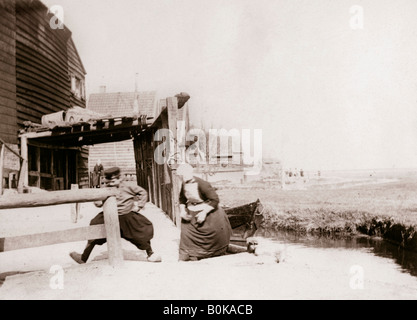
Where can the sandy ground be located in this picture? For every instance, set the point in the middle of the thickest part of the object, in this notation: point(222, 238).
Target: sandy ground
point(52, 275)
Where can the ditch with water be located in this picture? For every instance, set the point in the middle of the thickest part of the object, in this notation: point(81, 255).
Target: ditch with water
point(359, 250)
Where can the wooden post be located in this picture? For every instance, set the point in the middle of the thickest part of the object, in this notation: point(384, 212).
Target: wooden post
point(75, 207)
point(23, 176)
point(155, 179)
point(172, 108)
point(1, 167)
point(10, 149)
point(162, 176)
point(114, 241)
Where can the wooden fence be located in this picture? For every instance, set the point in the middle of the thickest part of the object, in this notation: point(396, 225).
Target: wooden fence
point(110, 229)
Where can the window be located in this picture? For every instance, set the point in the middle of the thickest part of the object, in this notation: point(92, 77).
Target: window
point(78, 87)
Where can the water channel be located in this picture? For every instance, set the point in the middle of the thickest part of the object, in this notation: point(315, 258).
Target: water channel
point(358, 248)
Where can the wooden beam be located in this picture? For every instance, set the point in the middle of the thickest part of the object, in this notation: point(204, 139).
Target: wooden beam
point(75, 207)
point(34, 143)
point(55, 197)
point(1, 167)
point(38, 166)
point(24, 172)
point(10, 149)
point(103, 126)
point(54, 237)
point(112, 225)
point(33, 135)
point(163, 171)
point(172, 108)
point(154, 174)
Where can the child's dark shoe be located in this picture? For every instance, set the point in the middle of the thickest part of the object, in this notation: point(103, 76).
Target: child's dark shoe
point(76, 257)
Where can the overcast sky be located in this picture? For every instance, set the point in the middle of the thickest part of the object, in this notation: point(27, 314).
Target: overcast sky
point(328, 89)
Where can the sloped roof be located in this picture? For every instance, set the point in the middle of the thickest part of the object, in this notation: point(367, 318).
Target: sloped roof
point(77, 57)
point(121, 103)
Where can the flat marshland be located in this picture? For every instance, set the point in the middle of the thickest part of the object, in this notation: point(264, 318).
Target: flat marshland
point(376, 207)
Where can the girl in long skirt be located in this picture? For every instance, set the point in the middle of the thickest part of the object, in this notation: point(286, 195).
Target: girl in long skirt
point(205, 227)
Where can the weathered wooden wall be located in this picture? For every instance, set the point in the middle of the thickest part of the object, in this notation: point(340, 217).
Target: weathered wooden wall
point(160, 179)
point(76, 69)
point(43, 83)
point(36, 64)
point(113, 154)
point(8, 125)
point(82, 166)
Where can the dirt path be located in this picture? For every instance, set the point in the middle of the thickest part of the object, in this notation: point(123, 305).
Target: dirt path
point(240, 276)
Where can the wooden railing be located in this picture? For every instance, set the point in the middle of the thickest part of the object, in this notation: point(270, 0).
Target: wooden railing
point(110, 229)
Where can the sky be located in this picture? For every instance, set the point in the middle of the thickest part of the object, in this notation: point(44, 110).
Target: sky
point(331, 84)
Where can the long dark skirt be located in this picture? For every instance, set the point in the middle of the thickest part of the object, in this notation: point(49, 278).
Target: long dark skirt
point(207, 240)
point(134, 227)
point(96, 179)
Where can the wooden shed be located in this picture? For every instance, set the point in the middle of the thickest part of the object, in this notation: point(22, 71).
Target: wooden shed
point(40, 73)
point(154, 152)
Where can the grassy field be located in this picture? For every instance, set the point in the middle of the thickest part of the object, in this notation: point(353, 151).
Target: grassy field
point(387, 209)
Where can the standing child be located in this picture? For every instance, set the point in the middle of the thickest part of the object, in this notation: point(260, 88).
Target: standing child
point(134, 227)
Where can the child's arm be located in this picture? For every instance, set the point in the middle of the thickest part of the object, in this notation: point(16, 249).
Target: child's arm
point(141, 196)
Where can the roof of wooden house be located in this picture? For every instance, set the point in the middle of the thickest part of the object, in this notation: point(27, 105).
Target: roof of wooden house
point(120, 104)
point(74, 58)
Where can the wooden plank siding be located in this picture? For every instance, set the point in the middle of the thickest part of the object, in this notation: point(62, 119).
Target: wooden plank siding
point(36, 63)
point(76, 68)
point(82, 166)
point(74, 59)
point(43, 84)
point(8, 125)
point(114, 154)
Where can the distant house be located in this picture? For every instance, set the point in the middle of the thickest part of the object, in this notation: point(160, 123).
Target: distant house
point(119, 104)
point(40, 73)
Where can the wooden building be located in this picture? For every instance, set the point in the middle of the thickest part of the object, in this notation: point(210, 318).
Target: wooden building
point(40, 73)
point(154, 173)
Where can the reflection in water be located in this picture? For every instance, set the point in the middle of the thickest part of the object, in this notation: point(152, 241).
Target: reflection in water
point(407, 260)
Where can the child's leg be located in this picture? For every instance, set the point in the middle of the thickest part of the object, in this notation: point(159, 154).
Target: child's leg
point(138, 230)
point(90, 246)
point(148, 249)
point(146, 245)
point(142, 244)
point(82, 258)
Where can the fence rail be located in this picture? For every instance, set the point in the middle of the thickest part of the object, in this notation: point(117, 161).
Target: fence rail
point(110, 229)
